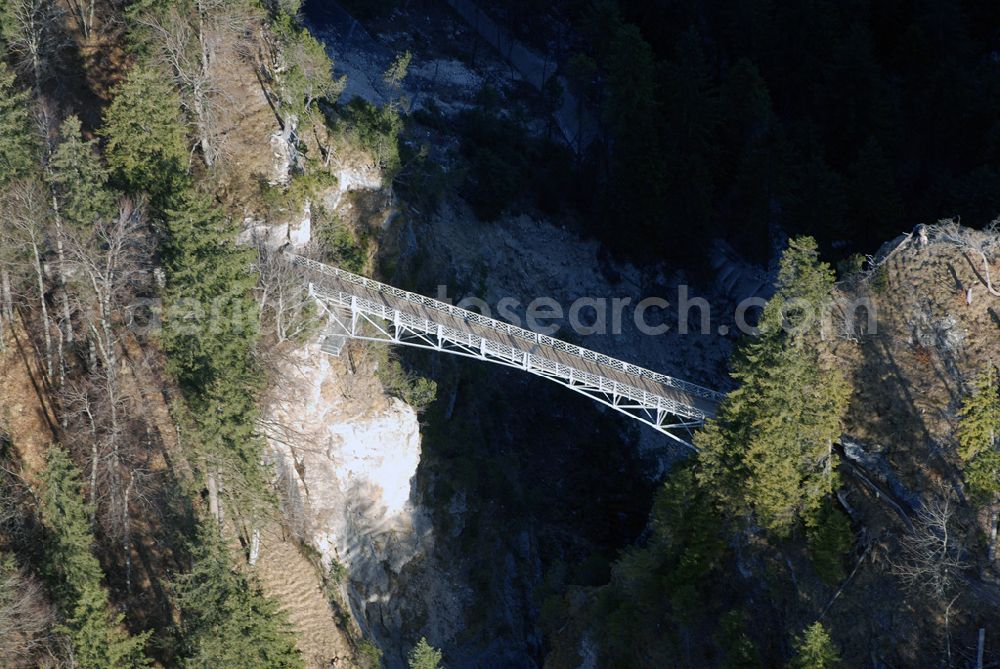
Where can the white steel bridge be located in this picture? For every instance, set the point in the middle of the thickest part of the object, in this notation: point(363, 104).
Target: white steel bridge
point(361, 308)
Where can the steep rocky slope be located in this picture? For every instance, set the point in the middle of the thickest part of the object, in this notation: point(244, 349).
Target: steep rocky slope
point(291, 578)
point(933, 329)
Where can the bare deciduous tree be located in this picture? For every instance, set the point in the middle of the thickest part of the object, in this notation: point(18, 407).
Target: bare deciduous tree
point(932, 556)
point(83, 13)
point(33, 31)
point(24, 210)
point(189, 43)
point(977, 247)
point(932, 561)
point(25, 618)
point(106, 425)
point(106, 263)
point(284, 301)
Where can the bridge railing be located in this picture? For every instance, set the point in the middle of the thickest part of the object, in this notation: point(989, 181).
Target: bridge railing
point(507, 328)
point(510, 355)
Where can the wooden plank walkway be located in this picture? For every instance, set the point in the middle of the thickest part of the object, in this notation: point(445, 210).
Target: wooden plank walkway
point(701, 401)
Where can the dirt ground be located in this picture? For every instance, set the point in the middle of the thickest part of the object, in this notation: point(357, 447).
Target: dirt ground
point(26, 417)
point(909, 379)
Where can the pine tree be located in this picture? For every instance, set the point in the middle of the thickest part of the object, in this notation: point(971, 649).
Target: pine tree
point(817, 195)
point(227, 619)
point(637, 169)
point(424, 656)
point(979, 436)
point(79, 178)
point(667, 582)
point(17, 145)
point(146, 143)
point(71, 562)
point(874, 200)
point(815, 650)
point(751, 157)
point(691, 148)
point(770, 449)
point(210, 329)
point(686, 538)
point(979, 445)
point(738, 648)
point(829, 538)
point(99, 638)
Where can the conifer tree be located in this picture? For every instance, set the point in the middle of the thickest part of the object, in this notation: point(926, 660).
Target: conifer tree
point(79, 178)
point(738, 648)
point(815, 650)
point(874, 200)
point(979, 445)
point(979, 436)
point(769, 452)
point(146, 144)
point(227, 619)
point(691, 110)
point(636, 169)
point(828, 538)
point(424, 656)
point(17, 145)
point(210, 329)
point(67, 516)
point(98, 636)
point(667, 581)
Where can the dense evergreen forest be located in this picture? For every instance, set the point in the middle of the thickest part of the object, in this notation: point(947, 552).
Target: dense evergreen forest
point(847, 121)
point(99, 105)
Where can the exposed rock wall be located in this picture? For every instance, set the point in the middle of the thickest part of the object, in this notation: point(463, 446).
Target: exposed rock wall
point(297, 230)
point(351, 177)
point(347, 455)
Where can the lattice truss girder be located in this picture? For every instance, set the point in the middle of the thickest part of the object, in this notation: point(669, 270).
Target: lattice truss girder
point(369, 321)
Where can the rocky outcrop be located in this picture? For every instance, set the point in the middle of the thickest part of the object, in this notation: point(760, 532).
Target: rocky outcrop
point(352, 453)
point(351, 178)
point(283, 158)
point(346, 455)
point(297, 230)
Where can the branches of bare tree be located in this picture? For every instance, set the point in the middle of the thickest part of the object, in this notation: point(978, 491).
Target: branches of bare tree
point(932, 558)
point(24, 210)
point(284, 303)
point(189, 44)
point(107, 262)
point(932, 562)
point(33, 31)
point(981, 247)
point(25, 617)
point(109, 433)
point(83, 12)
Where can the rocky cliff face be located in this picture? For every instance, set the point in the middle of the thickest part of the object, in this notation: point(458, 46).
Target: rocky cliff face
point(297, 229)
point(347, 449)
point(347, 455)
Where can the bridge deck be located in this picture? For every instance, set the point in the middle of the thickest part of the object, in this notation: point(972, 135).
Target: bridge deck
point(702, 400)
